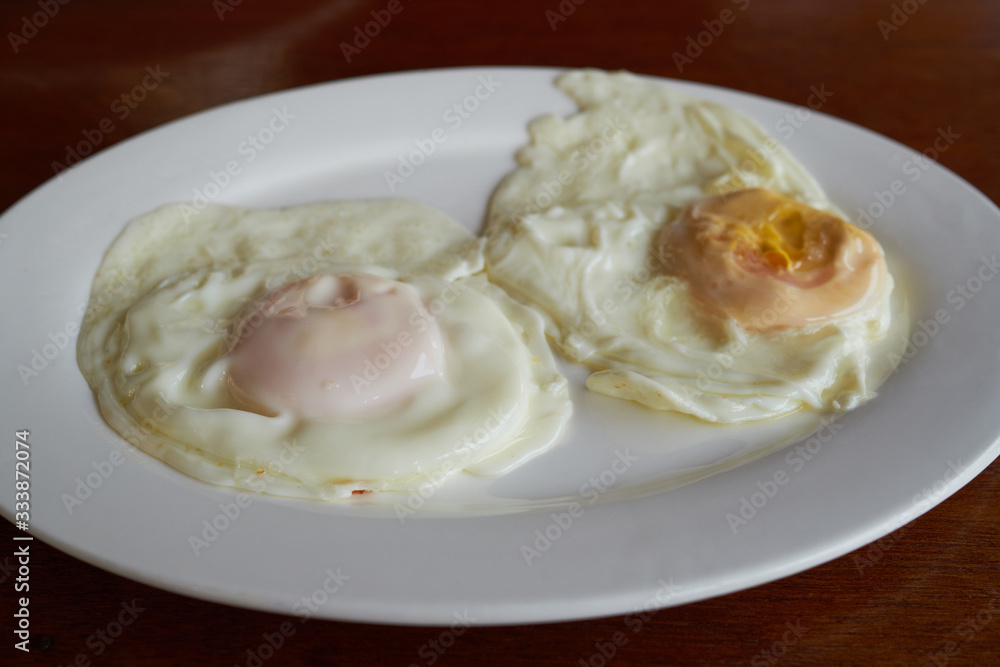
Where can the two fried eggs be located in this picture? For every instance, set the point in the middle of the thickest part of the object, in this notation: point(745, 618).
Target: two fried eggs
point(358, 346)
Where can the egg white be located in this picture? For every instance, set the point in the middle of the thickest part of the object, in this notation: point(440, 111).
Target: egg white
point(572, 231)
point(155, 339)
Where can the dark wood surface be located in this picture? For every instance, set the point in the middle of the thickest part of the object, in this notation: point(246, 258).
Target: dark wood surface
point(928, 594)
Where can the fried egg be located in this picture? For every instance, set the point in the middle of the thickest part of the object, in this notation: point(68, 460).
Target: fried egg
point(318, 351)
point(688, 259)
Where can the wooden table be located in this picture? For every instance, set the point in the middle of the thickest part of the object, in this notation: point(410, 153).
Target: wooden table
point(906, 72)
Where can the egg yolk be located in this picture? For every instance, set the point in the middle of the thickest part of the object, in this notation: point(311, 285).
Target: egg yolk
point(335, 346)
point(770, 262)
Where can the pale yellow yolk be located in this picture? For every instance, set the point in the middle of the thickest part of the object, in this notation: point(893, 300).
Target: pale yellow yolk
point(335, 346)
point(770, 262)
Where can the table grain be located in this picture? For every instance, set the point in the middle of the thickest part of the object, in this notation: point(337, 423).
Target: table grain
point(927, 594)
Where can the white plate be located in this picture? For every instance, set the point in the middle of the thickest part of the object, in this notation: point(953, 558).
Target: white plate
point(932, 429)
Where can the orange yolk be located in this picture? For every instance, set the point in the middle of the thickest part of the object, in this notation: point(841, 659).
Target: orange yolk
point(335, 346)
point(770, 262)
